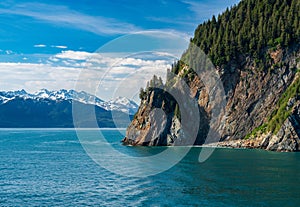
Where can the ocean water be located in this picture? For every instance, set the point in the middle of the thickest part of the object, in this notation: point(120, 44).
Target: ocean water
point(51, 168)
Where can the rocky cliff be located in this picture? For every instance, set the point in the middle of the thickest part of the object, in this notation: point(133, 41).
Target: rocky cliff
point(261, 90)
point(251, 98)
point(286, 139)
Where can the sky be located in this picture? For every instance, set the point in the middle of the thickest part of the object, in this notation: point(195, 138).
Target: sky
point(108, 48)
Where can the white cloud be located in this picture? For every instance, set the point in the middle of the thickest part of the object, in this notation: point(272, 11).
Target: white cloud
point(53, 59)
point(73, 69)
point(33, 76)
point(62, 15)
point(74, 55)
point(59, 46)
point(9, 52)
point(40, 45)
point(108, 59)
point(120, 66)
point(204, 10)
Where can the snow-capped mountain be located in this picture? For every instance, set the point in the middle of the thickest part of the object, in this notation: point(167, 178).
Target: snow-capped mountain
point(119, 104)
point(9, 95)
point(70, 95)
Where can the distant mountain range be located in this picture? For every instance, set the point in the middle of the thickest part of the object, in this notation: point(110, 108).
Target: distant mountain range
point(46, 108)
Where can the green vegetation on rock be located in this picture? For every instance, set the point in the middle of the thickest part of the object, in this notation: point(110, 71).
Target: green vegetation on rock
point(282, 112)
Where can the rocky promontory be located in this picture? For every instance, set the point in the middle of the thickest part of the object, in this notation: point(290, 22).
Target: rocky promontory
point(259, 72)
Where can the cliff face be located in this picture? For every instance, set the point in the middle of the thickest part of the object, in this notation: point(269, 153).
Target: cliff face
point(150, 117)
point(287, 139)
point(158, 123)
point(252, 96)
point(259, 75)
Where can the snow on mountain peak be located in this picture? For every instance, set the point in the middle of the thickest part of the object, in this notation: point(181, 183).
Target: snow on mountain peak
point(118, 104)
point(121, 100)
point(122, 104)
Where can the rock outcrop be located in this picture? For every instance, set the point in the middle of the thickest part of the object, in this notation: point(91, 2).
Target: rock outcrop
point(255, 78)
point(288, 137)
point(252, 96)
point(286, 140)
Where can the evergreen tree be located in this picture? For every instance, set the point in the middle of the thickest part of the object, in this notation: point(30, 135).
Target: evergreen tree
point(249, 28)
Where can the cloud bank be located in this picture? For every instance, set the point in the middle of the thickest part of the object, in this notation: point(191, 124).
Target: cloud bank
point(100, 74)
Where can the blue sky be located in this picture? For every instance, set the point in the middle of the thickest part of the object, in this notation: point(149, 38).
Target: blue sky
point(43, 44)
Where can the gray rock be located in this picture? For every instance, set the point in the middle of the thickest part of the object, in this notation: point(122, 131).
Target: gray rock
point(287, 139)
point(252, 95)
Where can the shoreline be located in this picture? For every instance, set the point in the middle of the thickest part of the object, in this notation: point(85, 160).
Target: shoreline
point(62, 129)
point(254, 143)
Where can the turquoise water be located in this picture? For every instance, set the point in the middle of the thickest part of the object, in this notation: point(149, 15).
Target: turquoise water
point(50, 168)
